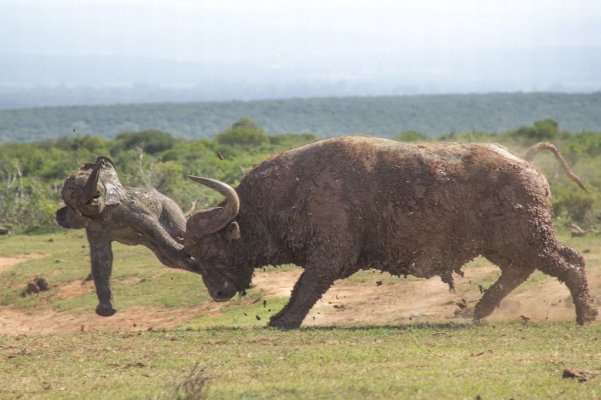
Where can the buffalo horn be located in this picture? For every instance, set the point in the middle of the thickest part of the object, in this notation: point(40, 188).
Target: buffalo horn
point(232, 201)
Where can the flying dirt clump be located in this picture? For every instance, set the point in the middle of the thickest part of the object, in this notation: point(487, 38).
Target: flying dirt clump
point(344, 204)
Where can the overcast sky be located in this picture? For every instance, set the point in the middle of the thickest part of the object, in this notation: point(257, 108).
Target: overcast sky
point(225, 28)
point(314, 34)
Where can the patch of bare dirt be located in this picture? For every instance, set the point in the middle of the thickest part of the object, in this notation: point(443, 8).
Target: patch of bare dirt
point(424, 300)
point(75, 289)
point(276, 283)
point(346, 303)
point(41, 322)
point(373, 302)
point(548, 300)
point(7, 263)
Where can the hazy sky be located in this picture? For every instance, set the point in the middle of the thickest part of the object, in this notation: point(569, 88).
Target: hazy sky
point(199, 29)
point(312, 34)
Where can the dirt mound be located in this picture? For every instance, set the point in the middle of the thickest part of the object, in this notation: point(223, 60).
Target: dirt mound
point(37, 285)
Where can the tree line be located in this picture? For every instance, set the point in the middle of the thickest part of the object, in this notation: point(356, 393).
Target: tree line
point(32, 174)
point(385, 116)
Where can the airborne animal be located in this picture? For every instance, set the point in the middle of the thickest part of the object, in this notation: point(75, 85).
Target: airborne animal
point(344, 204)
point(96, 200)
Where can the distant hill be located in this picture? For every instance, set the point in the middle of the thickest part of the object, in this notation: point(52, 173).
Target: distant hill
point(383, 116)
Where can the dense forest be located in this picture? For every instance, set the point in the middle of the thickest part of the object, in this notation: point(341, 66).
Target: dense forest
point(379, 116)
point(32, 174)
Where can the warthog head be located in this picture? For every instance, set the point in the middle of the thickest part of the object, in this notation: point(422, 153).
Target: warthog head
point(212, 237)
point(87, 192)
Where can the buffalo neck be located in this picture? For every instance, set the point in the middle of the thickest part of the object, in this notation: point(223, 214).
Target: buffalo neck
point(259, 244)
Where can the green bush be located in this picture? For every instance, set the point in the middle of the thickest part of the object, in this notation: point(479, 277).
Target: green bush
point(244, 133)
point(543, 130)
point(411, 136)
point(150, 141)
point(32, 174)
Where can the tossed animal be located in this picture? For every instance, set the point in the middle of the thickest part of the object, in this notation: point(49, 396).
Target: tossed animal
point(344, 204)
point(96, 200)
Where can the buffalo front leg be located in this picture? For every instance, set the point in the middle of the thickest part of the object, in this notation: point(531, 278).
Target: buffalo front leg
point(511, 277)
point(307, 290)
point(101, 256)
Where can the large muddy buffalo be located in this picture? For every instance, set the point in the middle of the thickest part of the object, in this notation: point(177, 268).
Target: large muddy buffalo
point(344, 204)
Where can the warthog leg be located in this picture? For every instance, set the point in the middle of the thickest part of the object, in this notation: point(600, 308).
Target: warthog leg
point(311, 285)
point(568, 266)
point(511, 277)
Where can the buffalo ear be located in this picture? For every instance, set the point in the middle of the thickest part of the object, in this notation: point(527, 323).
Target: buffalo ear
point(233, 231)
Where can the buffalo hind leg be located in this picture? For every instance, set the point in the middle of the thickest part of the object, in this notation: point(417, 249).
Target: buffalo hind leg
point(568, 266)
point(307, 290)
point(512, 276)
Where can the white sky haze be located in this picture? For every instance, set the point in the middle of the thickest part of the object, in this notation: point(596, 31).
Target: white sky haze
point(307, 38)
point(189, 28)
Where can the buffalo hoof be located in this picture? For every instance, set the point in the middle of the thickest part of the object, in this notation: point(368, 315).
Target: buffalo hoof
point(105, 311)
point(587, 315)
point(282, 325)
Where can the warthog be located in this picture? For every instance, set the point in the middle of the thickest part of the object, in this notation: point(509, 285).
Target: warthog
point(344, 204)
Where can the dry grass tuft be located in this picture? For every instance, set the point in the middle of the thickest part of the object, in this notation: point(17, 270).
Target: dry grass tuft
point(191, 388)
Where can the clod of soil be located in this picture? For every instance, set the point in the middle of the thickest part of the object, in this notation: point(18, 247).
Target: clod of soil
point(39, 284)
point(582, 376)
point(462, 303)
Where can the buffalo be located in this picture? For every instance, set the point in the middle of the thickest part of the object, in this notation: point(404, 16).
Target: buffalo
point(344, 204)
point(96, 201)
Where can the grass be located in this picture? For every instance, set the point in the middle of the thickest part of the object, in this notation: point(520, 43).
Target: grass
point(433, 361)
point(230, 354)
point(138, 278)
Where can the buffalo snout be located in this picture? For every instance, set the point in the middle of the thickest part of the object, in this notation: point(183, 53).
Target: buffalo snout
point(67, 218)
point(61, 217)
point(220, 289)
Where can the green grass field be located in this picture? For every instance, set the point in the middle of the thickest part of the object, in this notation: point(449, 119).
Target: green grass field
point(223, 351)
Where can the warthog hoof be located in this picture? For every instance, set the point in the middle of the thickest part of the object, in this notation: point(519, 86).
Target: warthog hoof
point(105, 310)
